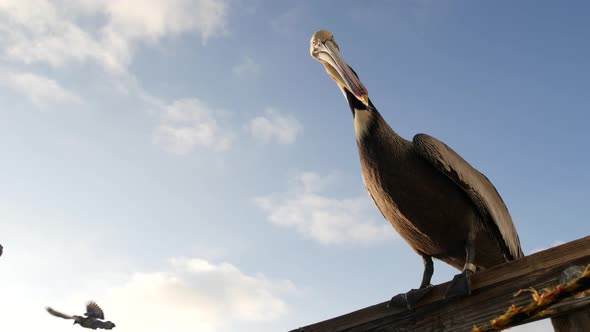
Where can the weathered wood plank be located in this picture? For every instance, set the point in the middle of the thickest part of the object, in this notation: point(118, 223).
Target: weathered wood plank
point(493, 291)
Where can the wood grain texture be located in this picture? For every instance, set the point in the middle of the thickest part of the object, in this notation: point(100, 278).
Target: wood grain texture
point(493, 291)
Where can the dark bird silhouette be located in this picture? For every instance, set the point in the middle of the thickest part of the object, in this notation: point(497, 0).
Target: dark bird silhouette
point(92, 319)
point(1, 249)
point(442, 206)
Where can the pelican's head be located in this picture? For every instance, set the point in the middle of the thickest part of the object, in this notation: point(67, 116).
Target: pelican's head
point(323, 48)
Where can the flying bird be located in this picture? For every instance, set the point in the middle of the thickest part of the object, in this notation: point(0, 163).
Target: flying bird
point(442, 206)
point(92, 319)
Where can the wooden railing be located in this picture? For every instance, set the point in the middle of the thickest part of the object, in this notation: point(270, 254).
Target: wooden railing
point(493, 291)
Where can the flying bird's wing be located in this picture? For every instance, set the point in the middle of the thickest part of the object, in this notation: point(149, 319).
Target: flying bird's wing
point(477, 186)
point(94, 311)
point(58, 314)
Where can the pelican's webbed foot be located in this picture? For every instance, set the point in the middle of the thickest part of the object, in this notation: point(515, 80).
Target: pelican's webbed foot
point(409, 299)
point(460, 286)
point(461, 283)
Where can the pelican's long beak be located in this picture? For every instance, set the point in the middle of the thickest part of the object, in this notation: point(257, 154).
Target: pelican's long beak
point(325, 50)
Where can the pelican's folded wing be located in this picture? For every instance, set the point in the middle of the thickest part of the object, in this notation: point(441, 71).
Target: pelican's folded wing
point(477, 187)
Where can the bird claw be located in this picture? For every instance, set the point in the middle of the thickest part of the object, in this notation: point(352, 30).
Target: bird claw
point(460, 285)
point(399, 300)
point(409, 299)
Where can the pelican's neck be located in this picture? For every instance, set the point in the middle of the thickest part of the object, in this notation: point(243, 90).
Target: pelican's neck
point(364, 122)
point(368, 122)
point(362, 114)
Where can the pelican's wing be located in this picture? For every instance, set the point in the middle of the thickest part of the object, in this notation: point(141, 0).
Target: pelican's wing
point(58, 314)
point(477, 187)
point(93, 310)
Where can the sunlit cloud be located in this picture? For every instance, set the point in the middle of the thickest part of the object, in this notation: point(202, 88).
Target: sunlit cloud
point(189, 123)
point(196, 295)
point(40, 90)
point(191, 295)
point(41, 31)
point(273, 126)
point(328, 220)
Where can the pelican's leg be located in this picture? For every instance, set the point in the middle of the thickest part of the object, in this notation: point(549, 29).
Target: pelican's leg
point(461, 284)
point(412, 297)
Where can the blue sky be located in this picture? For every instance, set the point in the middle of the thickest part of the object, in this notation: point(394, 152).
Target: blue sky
point(188, 162)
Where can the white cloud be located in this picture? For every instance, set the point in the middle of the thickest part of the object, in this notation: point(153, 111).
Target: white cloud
point(274, 126)
point(188, 123)
point(196, 295)
point(246, 68)
point(51, 31)
point(324, 219)
point(193, 295)
point(38, 89)
point(107, 33)
point(137, 19)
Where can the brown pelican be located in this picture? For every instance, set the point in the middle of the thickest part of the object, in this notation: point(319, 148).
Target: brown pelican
point(442, 206)
point(92, 320)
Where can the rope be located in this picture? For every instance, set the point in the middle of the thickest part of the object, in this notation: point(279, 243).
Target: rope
point(539, 305)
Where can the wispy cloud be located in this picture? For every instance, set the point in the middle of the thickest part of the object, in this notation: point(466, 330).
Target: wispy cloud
point(188, 123)
point(327, 220)
point(274, 127)
point(40, 90)
point(49, 31)
point(288, 21)
point(248, 67)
